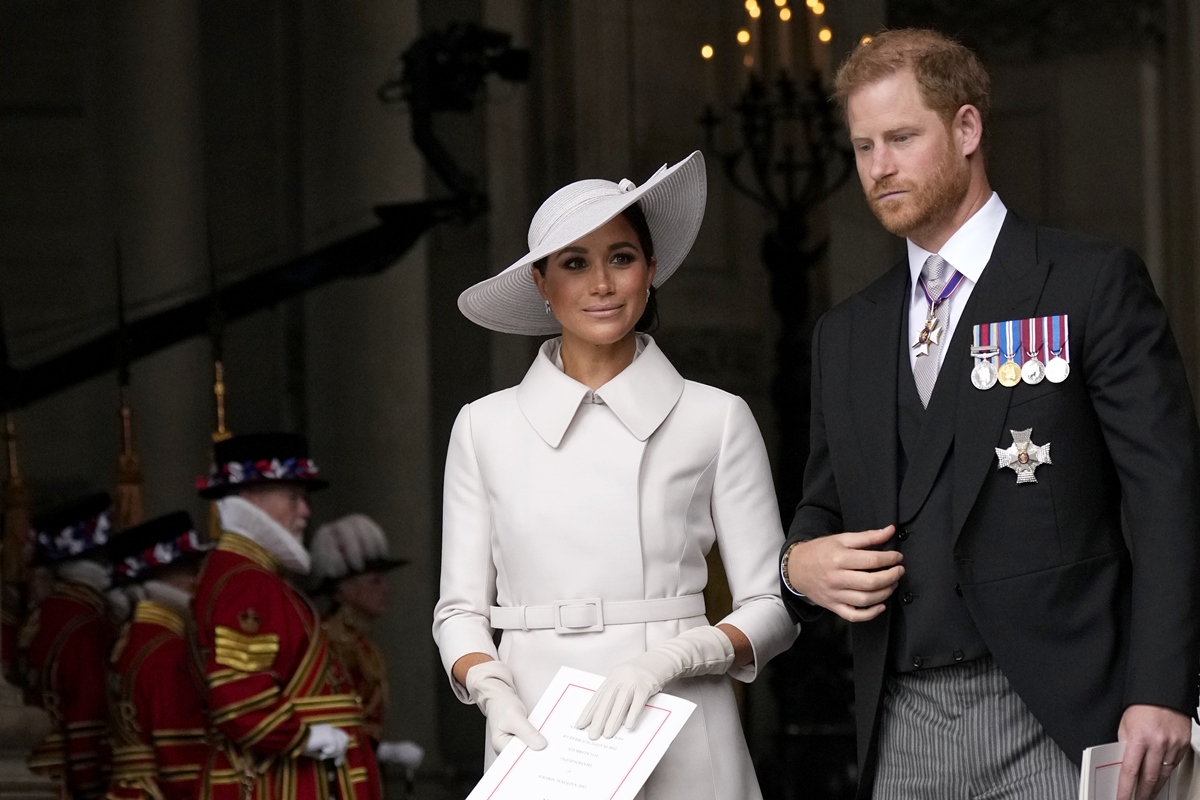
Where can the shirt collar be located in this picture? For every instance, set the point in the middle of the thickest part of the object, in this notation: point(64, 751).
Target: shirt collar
point(641, 396)
point(969, 249)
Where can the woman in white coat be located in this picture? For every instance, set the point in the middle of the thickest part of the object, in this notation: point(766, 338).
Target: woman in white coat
point(579, 505)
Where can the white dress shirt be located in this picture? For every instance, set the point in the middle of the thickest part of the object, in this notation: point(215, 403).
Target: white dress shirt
point(968, 251)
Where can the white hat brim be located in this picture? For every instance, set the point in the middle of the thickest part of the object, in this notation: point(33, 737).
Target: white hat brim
point(673, 201)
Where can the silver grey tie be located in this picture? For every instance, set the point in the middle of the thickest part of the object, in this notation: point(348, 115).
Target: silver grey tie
point(926, 369)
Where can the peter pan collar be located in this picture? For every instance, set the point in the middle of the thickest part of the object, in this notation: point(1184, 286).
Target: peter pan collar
point(641, 396)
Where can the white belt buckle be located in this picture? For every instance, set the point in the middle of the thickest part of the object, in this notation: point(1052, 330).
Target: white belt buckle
point(594, 602)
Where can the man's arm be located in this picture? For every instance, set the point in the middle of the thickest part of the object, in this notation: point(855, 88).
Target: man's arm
point(1139, 390)
point(843, 573)
point(820, 567)
point(245, 685)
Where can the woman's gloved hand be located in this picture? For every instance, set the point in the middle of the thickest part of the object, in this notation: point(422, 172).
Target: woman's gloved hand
point(326, 741)
point(623, 695)
point(490, 686)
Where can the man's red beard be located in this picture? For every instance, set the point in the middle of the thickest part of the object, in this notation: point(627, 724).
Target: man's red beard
point(926, 205)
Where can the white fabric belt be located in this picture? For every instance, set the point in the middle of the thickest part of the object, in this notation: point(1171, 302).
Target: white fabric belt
point(587, 614)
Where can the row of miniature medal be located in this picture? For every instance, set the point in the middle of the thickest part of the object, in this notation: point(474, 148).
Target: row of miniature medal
point(1033, 350)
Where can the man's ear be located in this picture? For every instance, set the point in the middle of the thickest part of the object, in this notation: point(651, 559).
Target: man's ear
point(968, 125)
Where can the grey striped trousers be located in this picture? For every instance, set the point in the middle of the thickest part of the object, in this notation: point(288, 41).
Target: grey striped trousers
point(952, 733)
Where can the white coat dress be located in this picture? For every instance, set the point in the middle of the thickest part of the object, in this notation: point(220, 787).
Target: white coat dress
point(553, 492)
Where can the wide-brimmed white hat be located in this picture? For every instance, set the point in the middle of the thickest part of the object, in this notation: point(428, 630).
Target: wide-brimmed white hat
point(672, 200)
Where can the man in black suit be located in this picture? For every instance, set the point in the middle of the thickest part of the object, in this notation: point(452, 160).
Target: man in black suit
point(1002, 620)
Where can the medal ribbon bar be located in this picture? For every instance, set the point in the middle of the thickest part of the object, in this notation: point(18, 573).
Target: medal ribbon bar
point(1034, 342)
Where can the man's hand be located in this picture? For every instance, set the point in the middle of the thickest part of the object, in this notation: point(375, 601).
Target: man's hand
point(1155, 739)
point(841, 574)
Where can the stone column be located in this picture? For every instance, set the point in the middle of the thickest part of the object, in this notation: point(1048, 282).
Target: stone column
point(366, 340)
point(21, 727)
point(157, 180)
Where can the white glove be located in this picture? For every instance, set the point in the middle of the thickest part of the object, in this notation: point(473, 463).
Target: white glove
point(490, 686)
point(623, 695)
point(408, 754)
point(326, 741)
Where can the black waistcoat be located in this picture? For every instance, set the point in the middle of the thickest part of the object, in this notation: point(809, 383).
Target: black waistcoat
point(931, 626)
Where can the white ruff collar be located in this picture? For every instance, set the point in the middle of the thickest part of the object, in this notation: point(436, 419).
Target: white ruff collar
point(170, 596)
point(122, 599)
point(85, 571)
point(242, 517)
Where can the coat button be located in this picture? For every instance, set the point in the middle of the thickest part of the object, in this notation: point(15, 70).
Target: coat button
point(958, 655)
point(903, 534)
point(908, 598)
point(958, 589)
point(918, 661)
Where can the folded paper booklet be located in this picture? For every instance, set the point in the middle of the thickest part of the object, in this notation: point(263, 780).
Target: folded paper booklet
point(1102, 769)
point(572, 766)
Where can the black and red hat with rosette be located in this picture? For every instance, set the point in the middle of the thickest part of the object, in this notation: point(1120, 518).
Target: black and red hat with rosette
point(258, 458)
point(142, 551)
point(78, 529)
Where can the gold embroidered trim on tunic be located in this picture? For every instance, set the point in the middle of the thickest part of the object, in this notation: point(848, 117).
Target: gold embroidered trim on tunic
point(265, 726)
point(167, 737)
point(158, 614)
point(246, 547)
point(221, 677)
point(84, 594)
point(244, 652)
point(264, 698)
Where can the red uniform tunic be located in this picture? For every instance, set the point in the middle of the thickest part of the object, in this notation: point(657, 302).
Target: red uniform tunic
point(64, 648)
point(364, 665)
point(269, 676)
point(159, 726)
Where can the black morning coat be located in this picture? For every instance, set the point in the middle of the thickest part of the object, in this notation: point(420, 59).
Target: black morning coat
point(1081, 620)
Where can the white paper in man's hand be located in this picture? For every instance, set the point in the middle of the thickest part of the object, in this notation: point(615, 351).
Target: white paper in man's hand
point(1102, 768)
point(573, 767)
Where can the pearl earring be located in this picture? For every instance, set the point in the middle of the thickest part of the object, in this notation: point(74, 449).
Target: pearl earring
point(647, 294)
point(547, 302)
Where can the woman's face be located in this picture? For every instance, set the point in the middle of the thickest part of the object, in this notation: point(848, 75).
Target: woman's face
point(597, 285)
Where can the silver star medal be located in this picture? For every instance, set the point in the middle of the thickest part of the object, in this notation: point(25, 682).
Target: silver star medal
point(929, 335)
point(1023, 456)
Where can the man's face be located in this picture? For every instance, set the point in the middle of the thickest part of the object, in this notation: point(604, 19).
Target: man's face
point(911, 164)
point(286, 503)
point(366, 592)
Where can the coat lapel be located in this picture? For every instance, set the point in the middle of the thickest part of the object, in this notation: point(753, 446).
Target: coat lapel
point(1009, 289)
point(958, 412)
point(874, 353)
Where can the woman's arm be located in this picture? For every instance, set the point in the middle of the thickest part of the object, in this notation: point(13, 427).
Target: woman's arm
point(749, 532)
point(464, 664)
point(461, 624)
point(743, 651)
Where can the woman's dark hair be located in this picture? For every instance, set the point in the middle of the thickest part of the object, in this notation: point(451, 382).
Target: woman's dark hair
point(637, 220)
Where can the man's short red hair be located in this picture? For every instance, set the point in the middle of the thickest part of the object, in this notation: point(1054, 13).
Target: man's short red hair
point(949, 75)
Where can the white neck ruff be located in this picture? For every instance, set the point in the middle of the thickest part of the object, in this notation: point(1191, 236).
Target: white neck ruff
point(85, 571)
point(240, 516)
point(122, 599)
point(170, 596)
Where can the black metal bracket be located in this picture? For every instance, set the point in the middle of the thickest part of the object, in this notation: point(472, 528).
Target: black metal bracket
point(441, 71)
